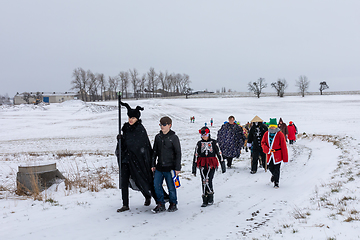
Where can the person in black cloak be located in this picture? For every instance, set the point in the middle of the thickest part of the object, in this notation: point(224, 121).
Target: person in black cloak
point(136, 153)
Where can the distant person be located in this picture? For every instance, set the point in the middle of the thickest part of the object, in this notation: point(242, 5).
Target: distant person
point(273, 144)
point(135, 159)
point(231, 140)
point(255, 136)
point(283, 128)
point(207, 157)
point(166, 157)
point(292, 132)
point(211, 122)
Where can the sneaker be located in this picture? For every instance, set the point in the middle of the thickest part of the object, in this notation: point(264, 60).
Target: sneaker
point(276, 185)
point(159, 208)
point(172, 207)
point(252, 172)
point(123, 209)
point(147, 202)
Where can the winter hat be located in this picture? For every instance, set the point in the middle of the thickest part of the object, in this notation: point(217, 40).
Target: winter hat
point(204, 130)
point(257, 119)
point(133, 112)
point(290, 123)
point(273, 122)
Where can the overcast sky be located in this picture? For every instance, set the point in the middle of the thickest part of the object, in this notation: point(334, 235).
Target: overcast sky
point(217, 43)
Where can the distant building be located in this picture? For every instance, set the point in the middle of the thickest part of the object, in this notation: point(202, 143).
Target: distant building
point(45, 97)
point(201, 92)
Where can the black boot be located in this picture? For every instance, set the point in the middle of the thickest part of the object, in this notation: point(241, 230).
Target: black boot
point(229, 161)
point(210, 199)
point(205, 201)
point(123, 209)
point(147, 201)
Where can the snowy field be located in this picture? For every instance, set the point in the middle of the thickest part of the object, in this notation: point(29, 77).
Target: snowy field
point(318, 196)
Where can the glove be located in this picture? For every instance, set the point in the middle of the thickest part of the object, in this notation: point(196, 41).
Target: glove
point(248, 145)
point(223, 168)
point(194, 169)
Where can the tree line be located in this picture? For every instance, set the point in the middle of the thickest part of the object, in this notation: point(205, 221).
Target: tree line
point(95, 86)
point(280, 85)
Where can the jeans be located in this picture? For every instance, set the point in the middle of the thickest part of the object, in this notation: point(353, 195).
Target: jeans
point(158, 180)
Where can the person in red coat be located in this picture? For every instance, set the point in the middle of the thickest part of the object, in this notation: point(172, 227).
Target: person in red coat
point(273, 144)
point(292, 132)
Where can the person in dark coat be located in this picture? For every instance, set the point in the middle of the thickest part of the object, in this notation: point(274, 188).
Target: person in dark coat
point(255, 136)
point(231, 140)
point(283, 128)
point(166, 158)
point(136, 153)
point(207, 157)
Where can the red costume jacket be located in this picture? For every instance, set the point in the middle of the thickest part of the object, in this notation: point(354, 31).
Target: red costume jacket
point(278, 150)
point(292, 132)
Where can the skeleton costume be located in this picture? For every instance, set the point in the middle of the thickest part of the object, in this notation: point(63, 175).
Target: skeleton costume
point(207, 157)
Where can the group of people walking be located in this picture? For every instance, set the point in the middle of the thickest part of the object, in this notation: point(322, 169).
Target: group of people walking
point(144, 167)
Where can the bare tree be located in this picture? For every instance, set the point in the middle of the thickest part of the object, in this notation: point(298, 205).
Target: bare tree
point(302, 84)
point(257, 87)
point(153, 81)
point(84, 83)
point(161, 79)
point(188, 91)
point(101, 83)
point(112, 87)
point(280, 85)
point(135, 81)
point(323, 86)
point(91, 85)
point(38, 95)
point(176, 82)
point(142, 84)
point(168, 83)
point(5, 99)
point(124, 79)
point(77, 83)
point(26, 97)
point(184, 83)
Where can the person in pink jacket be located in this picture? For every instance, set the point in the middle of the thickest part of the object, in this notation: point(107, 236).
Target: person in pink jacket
point(291, 132)
point(273, 144)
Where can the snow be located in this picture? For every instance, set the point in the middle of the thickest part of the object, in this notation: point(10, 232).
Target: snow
point(318, 196)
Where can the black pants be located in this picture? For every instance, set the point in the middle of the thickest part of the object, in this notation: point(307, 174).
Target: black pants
point(275, 170)
point(255, 158)
point(229, 161)
point(291, 141)
point(207, 175)
point(125, 181)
